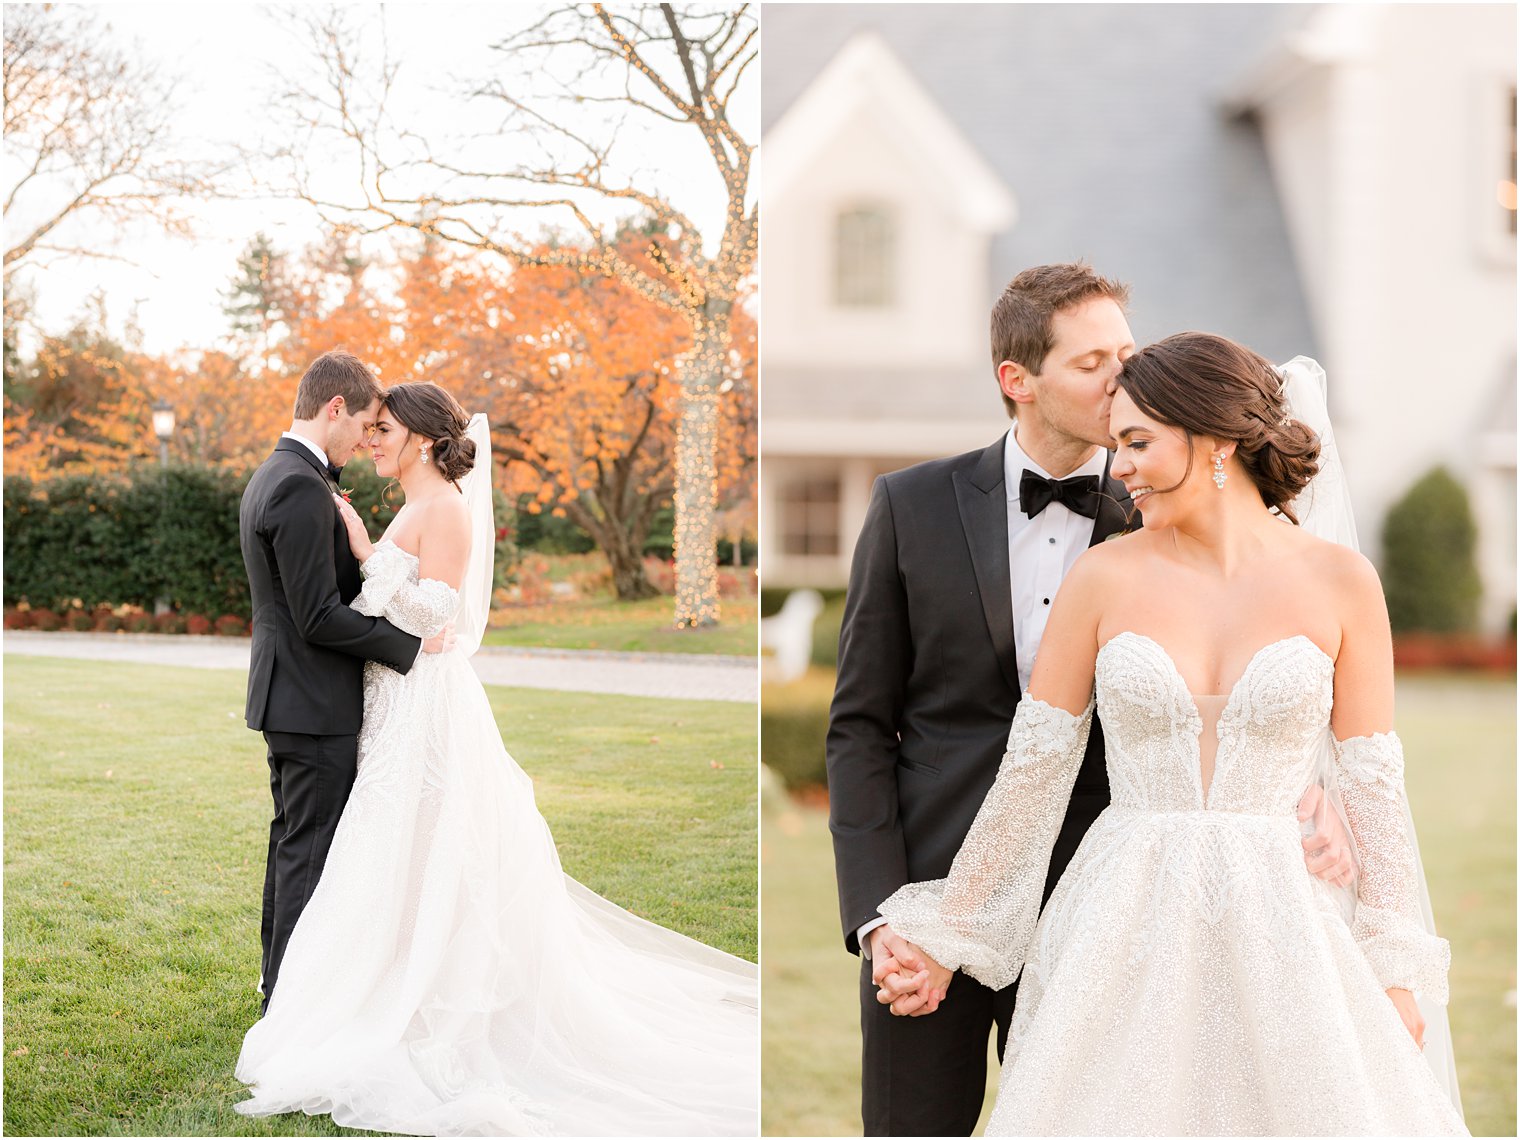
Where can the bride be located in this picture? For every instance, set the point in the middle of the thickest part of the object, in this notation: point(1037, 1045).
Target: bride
point(446, 976)
point(1187, 976)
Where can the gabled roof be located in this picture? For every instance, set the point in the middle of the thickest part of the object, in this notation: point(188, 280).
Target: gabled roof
point(1106, 120)
point(867, 80)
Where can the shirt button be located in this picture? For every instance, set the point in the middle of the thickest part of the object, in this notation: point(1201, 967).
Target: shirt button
point(1052, 542)
point(1047, 601)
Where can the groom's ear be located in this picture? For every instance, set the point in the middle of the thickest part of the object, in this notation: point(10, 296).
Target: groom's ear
point(335, 407)
point(1013, 379)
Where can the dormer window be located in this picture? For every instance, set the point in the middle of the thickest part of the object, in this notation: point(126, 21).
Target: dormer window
point(864, 252)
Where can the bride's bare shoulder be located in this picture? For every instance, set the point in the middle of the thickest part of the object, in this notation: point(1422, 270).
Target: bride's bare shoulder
point(1328, 557)
point(444, 515)
point(1338, 568)
point(1117, 554)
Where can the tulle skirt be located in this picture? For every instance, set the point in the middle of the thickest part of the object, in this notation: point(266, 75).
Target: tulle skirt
point(1188, 978)
point(447, 978)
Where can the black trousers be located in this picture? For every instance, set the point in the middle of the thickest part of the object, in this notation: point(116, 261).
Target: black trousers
point(927, 1076)
point(310, 778)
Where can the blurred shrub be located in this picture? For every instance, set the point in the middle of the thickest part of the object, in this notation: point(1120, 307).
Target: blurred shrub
point(825, 652)
point(169, 534)
point(168, 623)
point(826, 629)
point(794, 720)
point(1430, 569)
point(546, 532)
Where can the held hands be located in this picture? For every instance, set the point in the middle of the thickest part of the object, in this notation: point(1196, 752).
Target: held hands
point(911, 983)
point(358, 537)
point(1409, 1012)
point(1327, 850)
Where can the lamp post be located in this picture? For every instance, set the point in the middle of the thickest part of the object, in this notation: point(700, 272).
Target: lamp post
point(163, 427)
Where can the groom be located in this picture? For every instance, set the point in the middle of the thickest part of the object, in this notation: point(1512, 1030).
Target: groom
point(306, 677)
point(951, 584)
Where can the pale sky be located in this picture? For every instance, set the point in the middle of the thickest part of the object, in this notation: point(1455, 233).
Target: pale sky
point(227, 55)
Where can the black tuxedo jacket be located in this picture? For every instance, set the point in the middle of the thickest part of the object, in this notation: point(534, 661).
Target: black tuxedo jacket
point(928, 680)
point(309, 648)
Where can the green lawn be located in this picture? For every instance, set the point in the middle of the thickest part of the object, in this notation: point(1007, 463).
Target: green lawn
point(136, 813)
point(646, 626)
point(1459, 738)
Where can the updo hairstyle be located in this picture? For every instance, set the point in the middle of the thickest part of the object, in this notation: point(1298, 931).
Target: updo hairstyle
point(425, 409)
point(1207, 385)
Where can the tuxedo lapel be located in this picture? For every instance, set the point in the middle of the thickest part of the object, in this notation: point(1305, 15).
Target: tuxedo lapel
point(304, 452)
point(983, 504)
point(1115, 510)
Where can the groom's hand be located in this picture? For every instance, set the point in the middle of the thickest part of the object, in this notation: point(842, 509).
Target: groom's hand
point(908, 980)
point(440, 642)
point(1327, 849)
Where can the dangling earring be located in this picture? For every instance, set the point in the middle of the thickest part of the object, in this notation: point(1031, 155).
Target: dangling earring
point(1219, 475)
point(422, 451)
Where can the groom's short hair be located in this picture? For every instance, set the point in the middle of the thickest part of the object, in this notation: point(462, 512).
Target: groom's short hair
point(336, 373)
point(1023, 316)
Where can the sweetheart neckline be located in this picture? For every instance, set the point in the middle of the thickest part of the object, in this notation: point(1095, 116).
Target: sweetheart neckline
point(1229, 693)
point(1205, 794)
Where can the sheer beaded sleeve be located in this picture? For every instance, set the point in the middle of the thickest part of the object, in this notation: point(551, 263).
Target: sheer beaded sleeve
point(420, 608)
point(1388, 925)
point(982, 917)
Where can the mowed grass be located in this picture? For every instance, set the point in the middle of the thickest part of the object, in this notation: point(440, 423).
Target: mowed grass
point(1459, 740)
point(646, 626)
point(136, 818)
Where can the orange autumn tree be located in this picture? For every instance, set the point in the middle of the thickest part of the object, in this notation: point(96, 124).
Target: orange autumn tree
point(80, 406)
point(224, 415)
point(232, 403)
point(577, 374)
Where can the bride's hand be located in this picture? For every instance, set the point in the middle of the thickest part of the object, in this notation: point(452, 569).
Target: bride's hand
point(915, 994)
point(1404, 1002)
point(358, 537)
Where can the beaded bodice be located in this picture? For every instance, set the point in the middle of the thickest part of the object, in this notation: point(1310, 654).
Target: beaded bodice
point(1273, 719)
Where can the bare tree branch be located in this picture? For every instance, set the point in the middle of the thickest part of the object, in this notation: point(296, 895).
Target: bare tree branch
point(87, 134)
point(666, 67)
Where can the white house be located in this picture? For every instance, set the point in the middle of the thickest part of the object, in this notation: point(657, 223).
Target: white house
point(1391, 130)
point(1337, 181)
point(880, 216)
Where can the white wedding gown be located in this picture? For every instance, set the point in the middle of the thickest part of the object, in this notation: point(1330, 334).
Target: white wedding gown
point(1188, 975)
point(448, 978)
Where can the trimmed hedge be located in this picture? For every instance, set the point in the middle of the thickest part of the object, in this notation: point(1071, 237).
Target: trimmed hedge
point(794, 720)
point(1430, 569)
point(162, 533)
point(169, 533)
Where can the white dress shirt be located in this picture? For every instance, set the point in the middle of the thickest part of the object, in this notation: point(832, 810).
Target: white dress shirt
point(311, 447)
point(1041, 551)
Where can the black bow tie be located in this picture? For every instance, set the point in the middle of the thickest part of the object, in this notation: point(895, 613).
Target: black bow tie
point(1079, 494)
point(334, 470)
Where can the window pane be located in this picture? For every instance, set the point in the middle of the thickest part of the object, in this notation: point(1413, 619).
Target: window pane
point(810, 516)
point(863, 257)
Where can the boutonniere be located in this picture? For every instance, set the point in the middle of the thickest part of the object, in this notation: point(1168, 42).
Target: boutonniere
point(346, 495)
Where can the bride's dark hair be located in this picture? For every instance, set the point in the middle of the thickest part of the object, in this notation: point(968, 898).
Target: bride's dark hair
point(425, 409)
point(1208, 385)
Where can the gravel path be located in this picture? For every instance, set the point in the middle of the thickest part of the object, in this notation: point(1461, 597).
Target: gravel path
point(679, 676)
